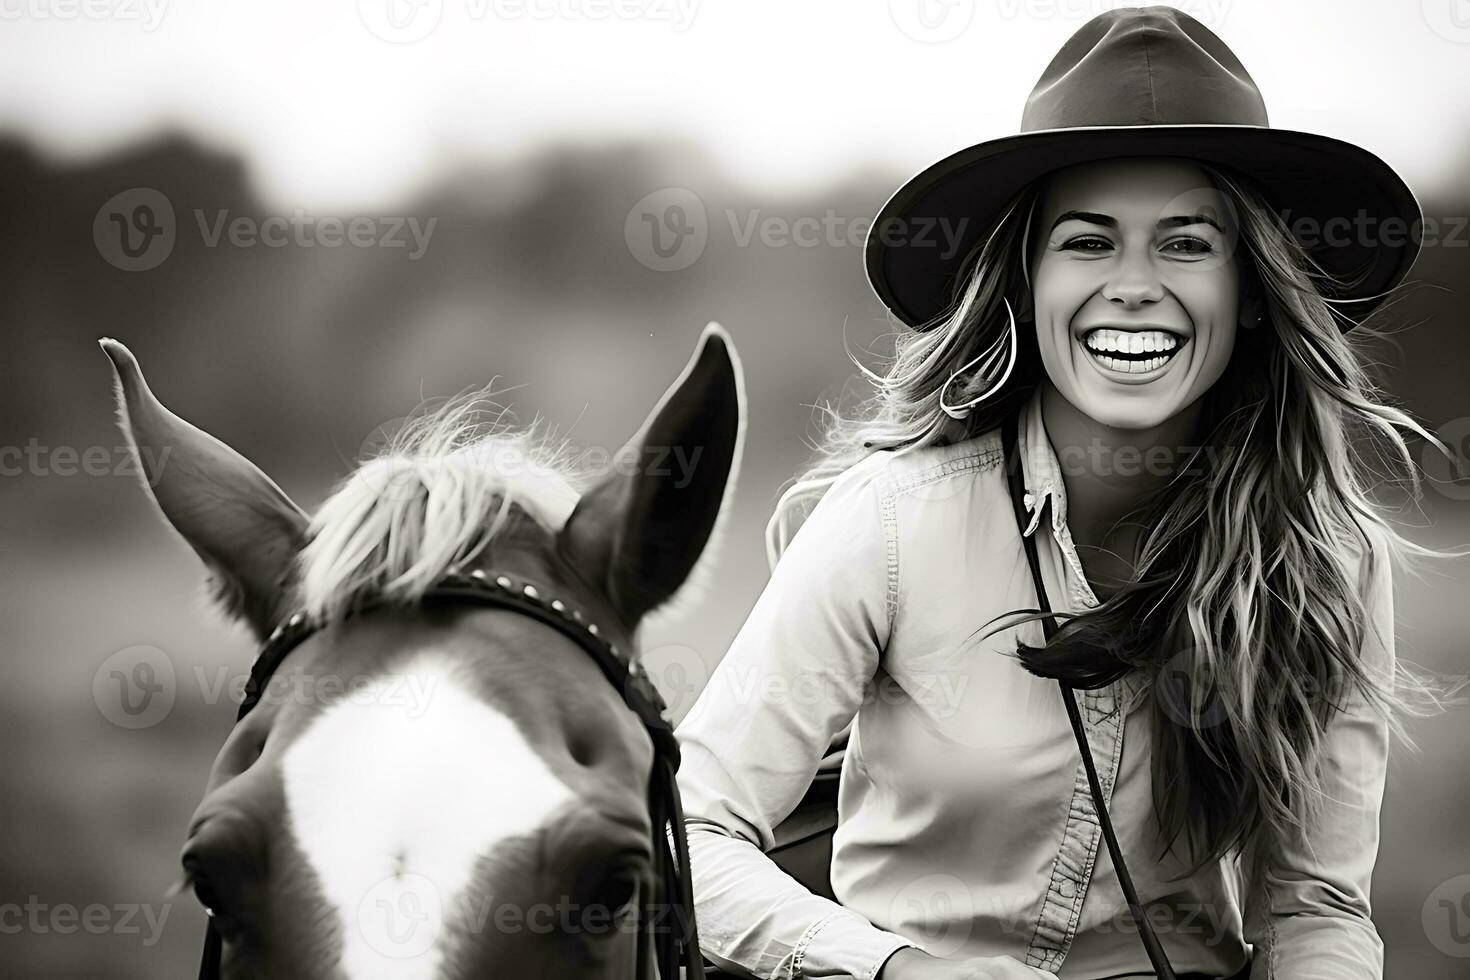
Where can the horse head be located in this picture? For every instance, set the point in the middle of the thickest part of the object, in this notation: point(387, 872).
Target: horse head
point(439, 790)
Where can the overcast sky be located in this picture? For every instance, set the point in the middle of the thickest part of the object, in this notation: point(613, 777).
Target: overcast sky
point(364, 101)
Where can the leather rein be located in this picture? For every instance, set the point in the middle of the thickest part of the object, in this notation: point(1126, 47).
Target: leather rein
point(666, 924)
point(1151, 945)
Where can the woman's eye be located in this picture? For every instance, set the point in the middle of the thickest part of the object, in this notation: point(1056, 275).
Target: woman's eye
point(1177, 246)
point(1191, 246)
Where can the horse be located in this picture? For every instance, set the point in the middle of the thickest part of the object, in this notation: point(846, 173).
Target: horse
point(432, 777)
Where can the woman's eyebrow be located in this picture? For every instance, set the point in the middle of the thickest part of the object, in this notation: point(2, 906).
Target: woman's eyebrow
point(1108, 221)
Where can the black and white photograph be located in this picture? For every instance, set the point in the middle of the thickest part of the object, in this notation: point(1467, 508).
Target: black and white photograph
point(712, 490)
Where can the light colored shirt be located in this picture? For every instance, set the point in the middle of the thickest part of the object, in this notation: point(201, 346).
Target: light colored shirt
point(965, 822)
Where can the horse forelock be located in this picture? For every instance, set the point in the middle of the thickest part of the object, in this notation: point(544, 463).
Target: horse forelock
point(438, 497)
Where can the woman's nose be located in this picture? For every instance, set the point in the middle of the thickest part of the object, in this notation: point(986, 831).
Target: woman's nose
point(1133, 284)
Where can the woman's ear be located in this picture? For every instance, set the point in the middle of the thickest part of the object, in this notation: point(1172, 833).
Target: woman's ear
point(1022, 300)
point(1023, 304)
point(1252, 301)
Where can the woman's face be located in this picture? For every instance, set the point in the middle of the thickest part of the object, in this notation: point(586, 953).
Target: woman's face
point(1136, 287)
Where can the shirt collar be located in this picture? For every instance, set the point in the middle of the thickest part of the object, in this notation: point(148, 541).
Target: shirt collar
point(1040, 470)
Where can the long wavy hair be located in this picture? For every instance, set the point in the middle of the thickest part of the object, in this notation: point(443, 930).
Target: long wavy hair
point(1244, 615)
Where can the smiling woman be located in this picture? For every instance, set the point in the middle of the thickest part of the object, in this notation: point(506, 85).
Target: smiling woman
point(1133, 293)
point(1176, 572)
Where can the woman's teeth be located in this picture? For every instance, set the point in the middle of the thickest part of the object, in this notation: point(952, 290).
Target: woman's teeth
point(1131, 351)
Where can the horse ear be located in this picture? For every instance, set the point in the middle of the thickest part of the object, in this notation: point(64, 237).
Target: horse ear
point(239, 522)
point(638, 533)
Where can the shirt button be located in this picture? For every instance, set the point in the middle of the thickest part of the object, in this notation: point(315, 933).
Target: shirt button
point(1068, 888)
point(1029, 499)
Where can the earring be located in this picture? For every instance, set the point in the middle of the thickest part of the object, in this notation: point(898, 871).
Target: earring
point(963, 410)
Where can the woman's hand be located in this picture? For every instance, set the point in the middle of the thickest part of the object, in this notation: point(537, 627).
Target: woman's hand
point(915, 964)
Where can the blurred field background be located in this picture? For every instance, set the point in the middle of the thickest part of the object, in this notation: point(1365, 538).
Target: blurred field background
point(297, 355)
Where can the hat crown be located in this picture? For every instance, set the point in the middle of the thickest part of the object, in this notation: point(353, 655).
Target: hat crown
point(1143, 66)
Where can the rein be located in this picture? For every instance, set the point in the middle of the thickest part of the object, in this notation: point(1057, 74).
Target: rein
point(1156, 955)
point(673, 943)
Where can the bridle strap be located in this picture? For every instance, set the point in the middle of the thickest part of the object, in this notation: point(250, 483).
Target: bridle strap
point(675, 943)
point(1151, 945)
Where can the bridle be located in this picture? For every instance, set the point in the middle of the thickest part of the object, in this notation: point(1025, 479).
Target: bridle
point(673, 943)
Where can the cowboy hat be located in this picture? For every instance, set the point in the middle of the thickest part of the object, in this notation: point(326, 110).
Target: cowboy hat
point(1149, 81)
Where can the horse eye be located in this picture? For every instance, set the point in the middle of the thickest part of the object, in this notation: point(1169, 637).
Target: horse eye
point(619, 889)
point(224, 923)
point(612, 902)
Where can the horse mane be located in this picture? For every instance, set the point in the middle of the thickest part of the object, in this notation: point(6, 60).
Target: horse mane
point(445, 486)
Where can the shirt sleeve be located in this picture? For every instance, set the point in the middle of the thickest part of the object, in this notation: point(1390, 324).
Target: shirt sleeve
point(794, 676)
point(1308, 914)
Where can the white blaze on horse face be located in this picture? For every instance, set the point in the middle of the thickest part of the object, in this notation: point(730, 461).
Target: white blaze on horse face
point(393, 802)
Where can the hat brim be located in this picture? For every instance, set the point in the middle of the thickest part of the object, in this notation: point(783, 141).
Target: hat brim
point(1313, 179)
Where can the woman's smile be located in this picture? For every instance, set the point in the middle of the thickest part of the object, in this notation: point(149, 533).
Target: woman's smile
point(1132, 355)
